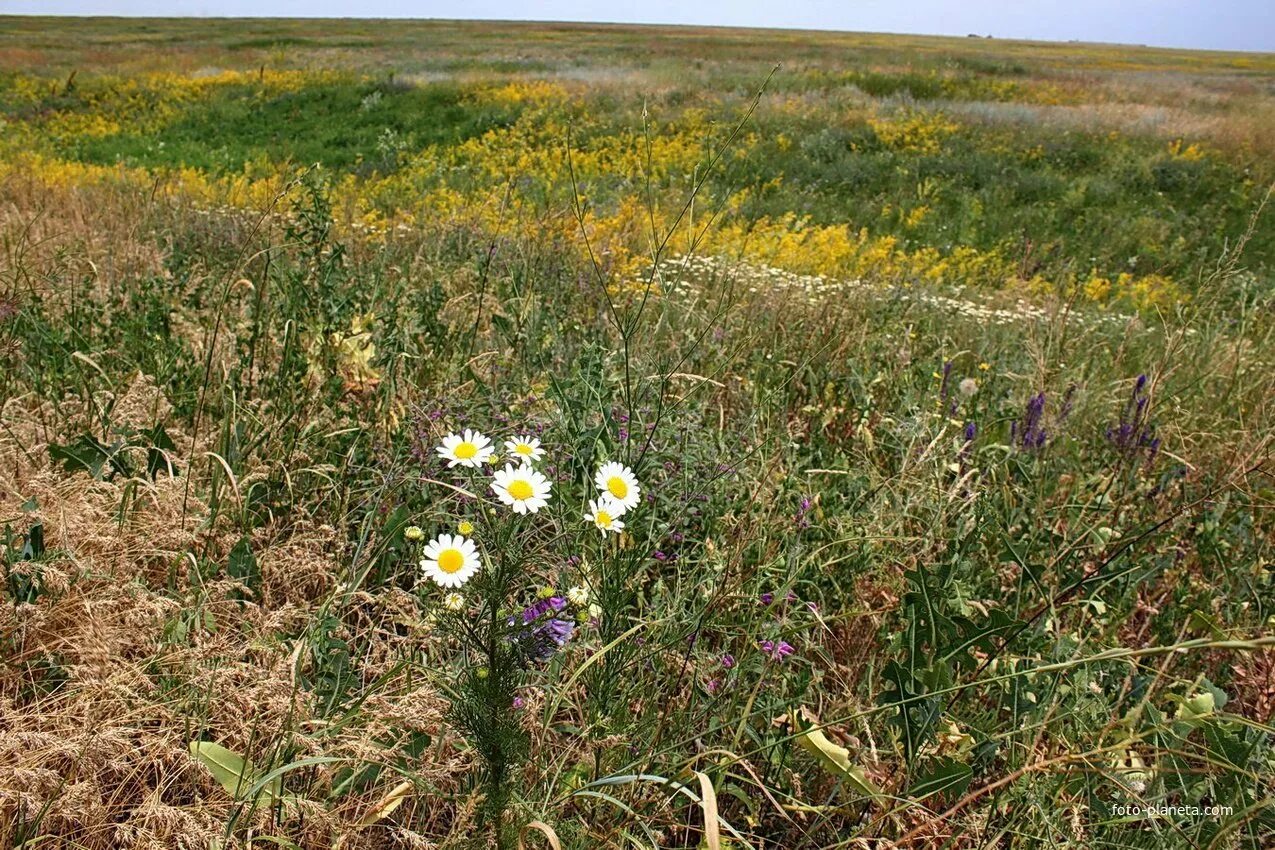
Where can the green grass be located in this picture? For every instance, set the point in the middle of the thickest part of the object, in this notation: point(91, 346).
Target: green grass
point(344, 125)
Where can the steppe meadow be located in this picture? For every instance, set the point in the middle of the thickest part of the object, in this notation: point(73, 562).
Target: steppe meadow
point(462, 435)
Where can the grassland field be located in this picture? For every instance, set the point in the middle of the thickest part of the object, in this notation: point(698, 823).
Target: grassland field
point(880, 438)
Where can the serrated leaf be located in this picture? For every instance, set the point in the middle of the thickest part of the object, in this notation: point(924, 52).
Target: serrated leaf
point(943, 776)
point(33, 547)
point(1203, 624)
point(91, 455)
point(157, 454)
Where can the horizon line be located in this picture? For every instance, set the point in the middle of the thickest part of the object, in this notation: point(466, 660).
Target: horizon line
point(646, 24)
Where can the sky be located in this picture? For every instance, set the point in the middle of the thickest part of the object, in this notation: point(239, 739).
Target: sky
point(1212, 24)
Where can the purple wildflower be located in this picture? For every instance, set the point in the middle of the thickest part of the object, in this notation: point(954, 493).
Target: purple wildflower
point(1030, 433)
point(1134, 435)
point(777, 650)
point(543, 633)
point(971, 431)
point(728, 660)
point(802, 520)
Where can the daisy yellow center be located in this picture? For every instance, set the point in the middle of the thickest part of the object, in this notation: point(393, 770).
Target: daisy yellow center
point(617, 487)
point(520, 490)
point(465, 450)
point(603, 519)
point(523, 449)
point(450, 560)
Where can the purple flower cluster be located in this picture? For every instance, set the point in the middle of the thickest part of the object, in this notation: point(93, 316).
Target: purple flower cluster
point(1134, 435)
point(967, 445)
point(1030, 433)
point(542, 632)
point(776, 649)
point(425, 430)
point(802, 518)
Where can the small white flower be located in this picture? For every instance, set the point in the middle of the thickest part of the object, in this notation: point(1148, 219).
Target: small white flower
point(525, 448)
point(604, 514)
point(414, 533)
point(523, 489)
point(453, 601)
point(968, 387)
point(617, 482)
point(578, 596)
point(470, 449)
point(450, 560)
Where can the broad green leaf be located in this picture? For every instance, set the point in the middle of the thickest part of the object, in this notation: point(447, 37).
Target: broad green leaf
point(33, 548)
point(833, 758)
point(944, 775)
point(241, 564)
point(91, 455)
point(157, 454)
point(235, 773)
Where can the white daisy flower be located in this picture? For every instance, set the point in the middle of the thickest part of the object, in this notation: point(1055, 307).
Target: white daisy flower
point(450, 560)
point(453, 601)
point(604, 514)
point(617, 482)
point(523, 489)
point(525, 448)
point(470, 449)
point(578, 596)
